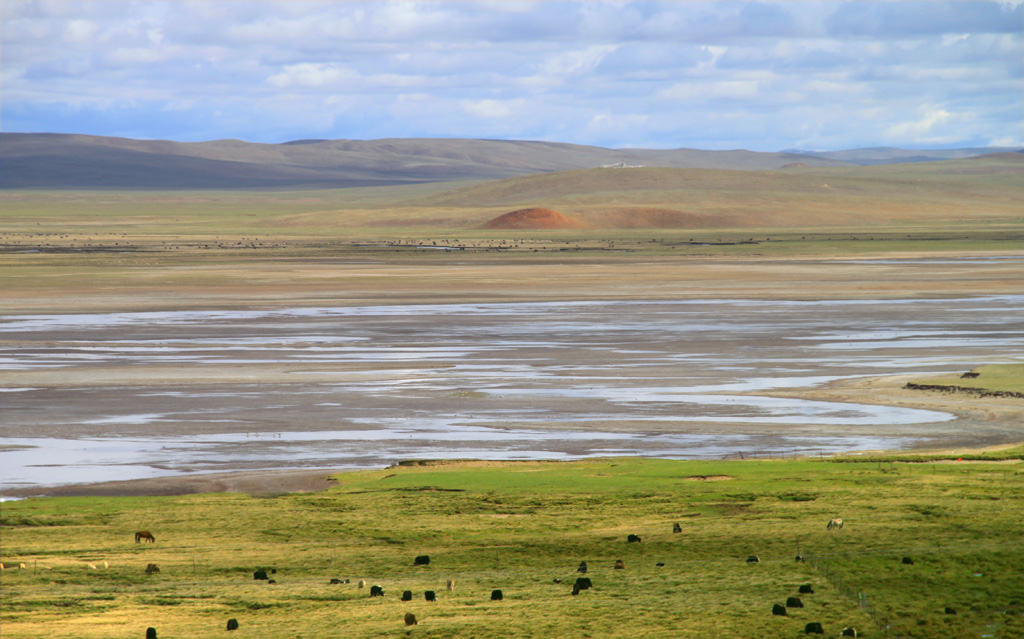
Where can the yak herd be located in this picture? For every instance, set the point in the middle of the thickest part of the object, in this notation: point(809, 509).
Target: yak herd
point(581, 583)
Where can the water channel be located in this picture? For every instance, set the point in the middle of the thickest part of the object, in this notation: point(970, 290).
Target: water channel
point(97, 397)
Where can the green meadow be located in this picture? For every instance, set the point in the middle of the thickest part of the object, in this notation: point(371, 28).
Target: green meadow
point(524, 528)
point(994, 378)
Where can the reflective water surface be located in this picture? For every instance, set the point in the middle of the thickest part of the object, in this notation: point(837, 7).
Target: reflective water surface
point(94, 397)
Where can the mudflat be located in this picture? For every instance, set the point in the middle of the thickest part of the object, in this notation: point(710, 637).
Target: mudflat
point(667, 370)
point(56, 284)
point(213, 332)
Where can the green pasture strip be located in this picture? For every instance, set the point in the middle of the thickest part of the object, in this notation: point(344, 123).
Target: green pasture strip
point(1011, 453)
point(995, 377)
point(524, 528)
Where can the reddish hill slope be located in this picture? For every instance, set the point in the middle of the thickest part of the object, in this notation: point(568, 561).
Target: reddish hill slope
point(536, 218)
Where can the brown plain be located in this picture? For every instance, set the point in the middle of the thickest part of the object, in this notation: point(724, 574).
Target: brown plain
point(939, 229)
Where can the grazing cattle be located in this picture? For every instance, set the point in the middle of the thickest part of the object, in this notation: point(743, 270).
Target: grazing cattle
point(950, 611)
point(619, 564)
point(410, 619)
point(799, 558)
point(908, 561)
point(152, 569)
point(582, 568)
point(232, 624)
point(451, 585)
point(335, 581)
point(407, 595)
point(271, 581)
point(834, 523)
point(660, 564)
point(814, 628)
point(849, 631)
point(584, 583)
point(633, 539)
point(150, 633)
point(806, 589)
point(497, 595)
point(779, 610)
point(91, 566)
point(794, 602)
point(145, 535)
point(429, 595)
point(421, 560)
point(106, 564)
point(260, 575)
point(376, 591)
point(21, 566)
point(753, 559)
point(676, 528)
point(362, 583)
point(970, 375)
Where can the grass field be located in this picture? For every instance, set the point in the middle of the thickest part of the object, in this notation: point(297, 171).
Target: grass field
point(654, 233)
point(524, 528)
point(1002, 377)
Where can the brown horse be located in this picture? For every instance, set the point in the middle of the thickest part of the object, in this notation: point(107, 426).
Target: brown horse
point(834, 523)
point(145, 535)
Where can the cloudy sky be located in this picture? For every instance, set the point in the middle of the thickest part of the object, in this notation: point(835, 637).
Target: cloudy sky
point(807, 74)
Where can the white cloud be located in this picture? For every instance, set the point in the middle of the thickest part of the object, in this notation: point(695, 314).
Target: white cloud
point(934, 125)
point(307, 75)
point(80, 31)
point(732, 89)
point(139, 55)
point(494, 108)
point(762, 75)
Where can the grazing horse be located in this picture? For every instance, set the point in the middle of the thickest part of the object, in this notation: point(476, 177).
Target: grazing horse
point(145, 535)
point(834, 523)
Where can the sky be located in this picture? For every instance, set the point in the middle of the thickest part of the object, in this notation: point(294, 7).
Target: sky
point(720, 74)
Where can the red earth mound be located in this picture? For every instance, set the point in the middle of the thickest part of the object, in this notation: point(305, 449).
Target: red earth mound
point(534, 219)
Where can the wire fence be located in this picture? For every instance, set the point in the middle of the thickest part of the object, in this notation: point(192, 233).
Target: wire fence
point(860, 597)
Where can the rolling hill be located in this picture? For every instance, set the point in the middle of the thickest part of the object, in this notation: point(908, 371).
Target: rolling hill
point(67, 161)
point(44, 160)
point(985, 186)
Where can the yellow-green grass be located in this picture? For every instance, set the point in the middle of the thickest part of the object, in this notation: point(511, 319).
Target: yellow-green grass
point(519, 527)
point(979, 191)
point(995, 377)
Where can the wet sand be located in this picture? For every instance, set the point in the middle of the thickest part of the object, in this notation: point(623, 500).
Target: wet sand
point(888, 390)
point(411, 371)
point(260, 483)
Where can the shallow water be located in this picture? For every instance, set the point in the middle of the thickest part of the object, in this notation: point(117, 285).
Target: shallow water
point(367, 386)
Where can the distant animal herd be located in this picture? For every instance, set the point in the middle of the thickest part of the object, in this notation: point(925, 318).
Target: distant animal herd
point(581, 583)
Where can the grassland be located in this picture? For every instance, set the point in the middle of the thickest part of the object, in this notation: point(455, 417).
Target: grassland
point(994, 378)
point(654, 234)
point(797, 234)
point(524, 528)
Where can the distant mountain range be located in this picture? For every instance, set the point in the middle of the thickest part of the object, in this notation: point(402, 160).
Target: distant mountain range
point(889, 155)
point(64, 161)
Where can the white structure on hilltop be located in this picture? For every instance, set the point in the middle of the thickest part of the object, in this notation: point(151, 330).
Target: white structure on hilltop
point(622, 165)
